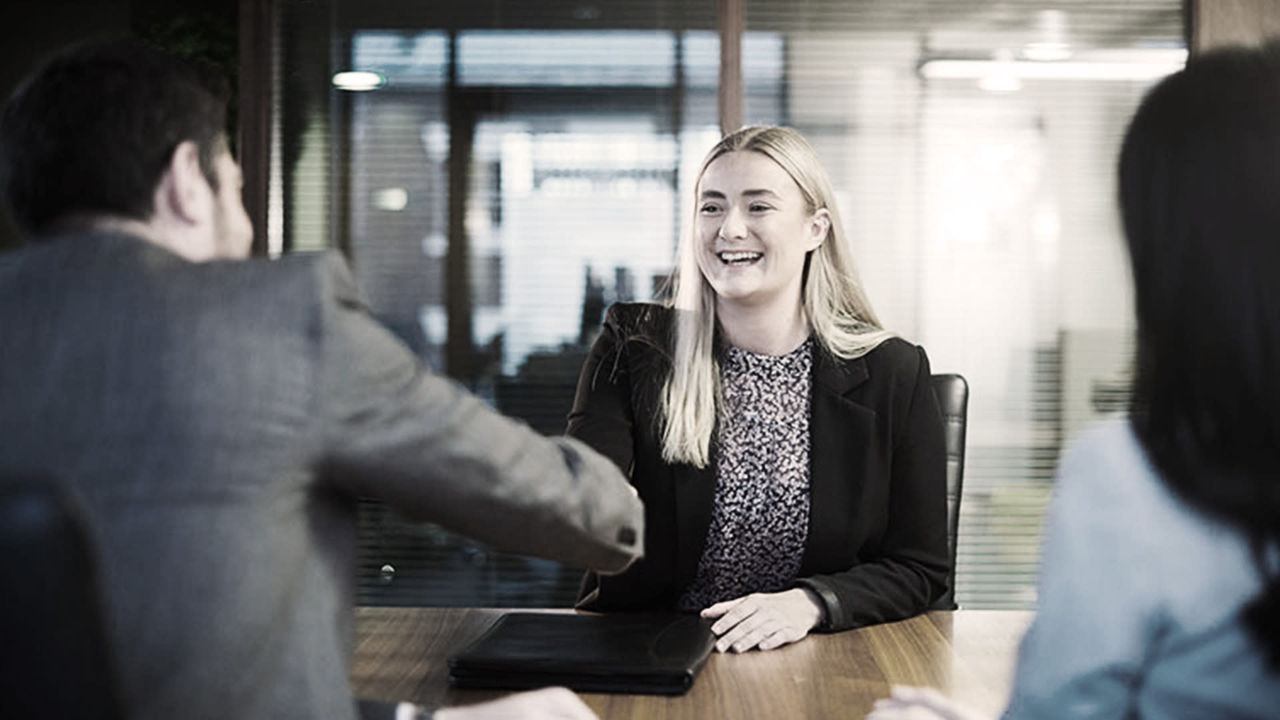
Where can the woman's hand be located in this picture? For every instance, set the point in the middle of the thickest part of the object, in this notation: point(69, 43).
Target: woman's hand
point(764, 620)
point(920, 703)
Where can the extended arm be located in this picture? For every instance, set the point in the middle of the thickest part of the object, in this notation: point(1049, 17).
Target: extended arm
point(425, 446)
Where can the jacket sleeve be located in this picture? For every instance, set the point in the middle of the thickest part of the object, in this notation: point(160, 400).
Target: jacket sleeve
point(909, 568)
point(393, 430)
point(602, 416)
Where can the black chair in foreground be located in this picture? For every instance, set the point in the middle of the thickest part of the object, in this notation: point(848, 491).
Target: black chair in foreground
point(55, 660)
point(953, 399)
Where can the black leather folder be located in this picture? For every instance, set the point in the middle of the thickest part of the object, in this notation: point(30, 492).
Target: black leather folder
point(655, 654)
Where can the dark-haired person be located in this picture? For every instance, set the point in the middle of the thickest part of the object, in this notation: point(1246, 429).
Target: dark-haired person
point(1160, 584)
point(788, 448)
point(218, 419)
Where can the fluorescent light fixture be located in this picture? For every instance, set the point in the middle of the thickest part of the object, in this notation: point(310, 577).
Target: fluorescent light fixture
point(1046, 51)
point(1000, 76)
point(358, 81)
point(1132, 65)
point(392, 199)
point(1000, 82)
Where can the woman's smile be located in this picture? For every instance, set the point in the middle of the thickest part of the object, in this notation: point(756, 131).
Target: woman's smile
point(739, 257)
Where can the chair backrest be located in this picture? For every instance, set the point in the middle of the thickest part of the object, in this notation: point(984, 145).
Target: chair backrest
point(54, 657)
point(953, 399)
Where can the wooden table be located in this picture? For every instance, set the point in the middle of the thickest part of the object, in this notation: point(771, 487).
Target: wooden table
point(401, 654)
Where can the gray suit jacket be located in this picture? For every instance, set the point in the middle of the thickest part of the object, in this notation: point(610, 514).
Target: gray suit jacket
point(218, 422)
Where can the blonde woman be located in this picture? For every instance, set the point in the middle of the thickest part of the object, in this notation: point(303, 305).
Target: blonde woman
point(788, 449)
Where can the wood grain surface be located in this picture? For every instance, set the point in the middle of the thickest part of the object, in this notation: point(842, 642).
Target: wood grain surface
point(402, 653)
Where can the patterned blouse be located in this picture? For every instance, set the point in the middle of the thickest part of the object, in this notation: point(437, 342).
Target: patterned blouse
point(760, 519)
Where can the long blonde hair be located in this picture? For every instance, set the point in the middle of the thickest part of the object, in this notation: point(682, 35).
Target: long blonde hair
point(837, 310)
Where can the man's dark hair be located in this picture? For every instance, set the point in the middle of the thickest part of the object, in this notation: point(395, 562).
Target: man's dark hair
point(1199, 177)
point(92, 130)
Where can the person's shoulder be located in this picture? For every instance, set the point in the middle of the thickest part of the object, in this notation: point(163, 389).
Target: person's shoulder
point(1113, 437)
point(639, 319)
point(324, 264)
point(1106, 479)
point(1107, 463)
point(896, 349)
point(332, 268)
point(1111, 441)
point(303, 276)
point(13, 260)
point(897, 357)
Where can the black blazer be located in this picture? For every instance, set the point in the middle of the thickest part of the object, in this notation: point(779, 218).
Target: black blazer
point(877, 541)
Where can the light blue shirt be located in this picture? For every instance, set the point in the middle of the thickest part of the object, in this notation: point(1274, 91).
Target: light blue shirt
point(1140, 599)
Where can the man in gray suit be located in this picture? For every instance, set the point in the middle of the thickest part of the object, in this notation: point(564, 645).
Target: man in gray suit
point(218, 417)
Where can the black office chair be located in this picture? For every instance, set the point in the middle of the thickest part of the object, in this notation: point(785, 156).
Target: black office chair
point(953, 399)
point(54, 657)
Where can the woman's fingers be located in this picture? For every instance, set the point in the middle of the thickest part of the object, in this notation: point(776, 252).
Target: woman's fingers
point(785, 636)
point(739, 610)
point(734, 628)
point(763, 620)
point(720, 608)
point(751, 631)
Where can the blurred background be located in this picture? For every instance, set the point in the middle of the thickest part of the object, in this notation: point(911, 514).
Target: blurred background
point(498, 172)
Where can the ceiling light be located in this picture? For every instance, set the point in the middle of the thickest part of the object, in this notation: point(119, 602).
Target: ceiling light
point(1117, 65)
point(1046, 51)
point(358, 81)
point(1000, 76)
point(392, 199)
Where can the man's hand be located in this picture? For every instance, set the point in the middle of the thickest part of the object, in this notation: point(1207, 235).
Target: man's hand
point(553, 703)
point(919, 703)
point(764, 620)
